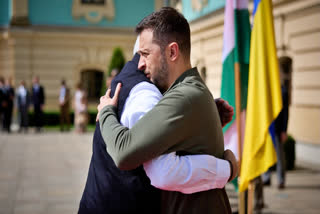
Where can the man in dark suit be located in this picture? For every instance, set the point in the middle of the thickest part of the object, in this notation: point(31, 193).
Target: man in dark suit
point(23, 102)
point(2, 100)
point(38, 99)
point(8, 107)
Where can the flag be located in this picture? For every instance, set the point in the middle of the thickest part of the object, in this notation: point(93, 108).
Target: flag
point(264, 96)
point(236, 49)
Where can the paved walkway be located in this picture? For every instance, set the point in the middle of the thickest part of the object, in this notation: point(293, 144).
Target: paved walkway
point(46, 173)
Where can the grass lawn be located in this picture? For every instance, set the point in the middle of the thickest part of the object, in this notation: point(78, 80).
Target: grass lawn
point(90, 128)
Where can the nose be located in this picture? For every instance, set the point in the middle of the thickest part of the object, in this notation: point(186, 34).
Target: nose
point(142, 64)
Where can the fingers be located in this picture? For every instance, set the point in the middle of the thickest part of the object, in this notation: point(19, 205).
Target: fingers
point(108, 92)
point(218, 100)
point(229, 156)
point(116, 94)
point(101, 98)
point(227, 106)
point(106, 100)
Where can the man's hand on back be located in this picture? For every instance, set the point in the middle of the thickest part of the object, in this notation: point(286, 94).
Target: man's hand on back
point(106, 100)
point(225, 111)
point(229, 156)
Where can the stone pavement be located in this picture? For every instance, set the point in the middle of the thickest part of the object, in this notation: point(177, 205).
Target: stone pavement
point(43, 173)
point(301, 195)
point(46, 173)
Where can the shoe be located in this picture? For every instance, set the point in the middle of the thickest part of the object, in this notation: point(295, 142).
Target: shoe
point(281, 186)
point(267, 183)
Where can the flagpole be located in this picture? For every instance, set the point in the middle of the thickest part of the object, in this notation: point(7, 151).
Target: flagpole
point(242, 198)
point(242, 201)
point(238, 107)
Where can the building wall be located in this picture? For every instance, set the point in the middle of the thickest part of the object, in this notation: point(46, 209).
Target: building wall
point(301, 35)
point(6, 54)
point(297, 36)
point(5, 12)
point(194, 9)
point(46, 39)
point(58, 12)
point(63, 55)
point(206, 48)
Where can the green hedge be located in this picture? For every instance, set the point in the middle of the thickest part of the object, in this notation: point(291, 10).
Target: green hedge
point(52, 118)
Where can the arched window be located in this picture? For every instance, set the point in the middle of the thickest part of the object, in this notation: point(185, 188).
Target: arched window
point(92, 81)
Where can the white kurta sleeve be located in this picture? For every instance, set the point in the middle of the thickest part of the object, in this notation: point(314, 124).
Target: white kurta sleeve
point(186, 174)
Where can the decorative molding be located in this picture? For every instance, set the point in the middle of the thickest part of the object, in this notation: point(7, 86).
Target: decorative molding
point(198, 5)
point(158, 4)
point(93, 13)
point(20, 13)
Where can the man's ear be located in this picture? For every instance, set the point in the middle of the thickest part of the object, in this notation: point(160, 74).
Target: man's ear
point(173, 51)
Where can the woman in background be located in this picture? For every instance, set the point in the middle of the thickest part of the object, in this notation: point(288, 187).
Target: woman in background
point(80, 110)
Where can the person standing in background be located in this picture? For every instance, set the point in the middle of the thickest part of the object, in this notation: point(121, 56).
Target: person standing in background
point(281, 124)
point(38, 100)
point(80, 110)
point(64, 103)
point(2, 100)
point(23, 102)
point(113, 74)
point(9, 98)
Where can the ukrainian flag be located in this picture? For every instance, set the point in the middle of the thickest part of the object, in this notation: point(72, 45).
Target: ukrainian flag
point(264, 96)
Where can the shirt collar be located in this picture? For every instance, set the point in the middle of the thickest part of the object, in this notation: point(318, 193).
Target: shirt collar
point(182, 77)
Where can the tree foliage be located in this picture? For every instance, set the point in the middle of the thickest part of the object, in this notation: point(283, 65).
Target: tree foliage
point(117, 60)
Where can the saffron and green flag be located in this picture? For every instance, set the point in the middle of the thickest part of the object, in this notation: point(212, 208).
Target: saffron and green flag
point(236, 49)
point(264, 96)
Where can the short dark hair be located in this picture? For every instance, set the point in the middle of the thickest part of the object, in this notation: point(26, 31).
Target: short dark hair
point(168, 25)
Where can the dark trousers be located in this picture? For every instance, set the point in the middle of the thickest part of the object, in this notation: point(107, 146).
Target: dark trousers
point(7, 118)
point(64, 117)
point(280, 164)
point(23, 116)
point(258, 194)
point(38, 117)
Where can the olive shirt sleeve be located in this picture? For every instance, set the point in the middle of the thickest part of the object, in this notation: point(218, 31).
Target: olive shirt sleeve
point(159, 131)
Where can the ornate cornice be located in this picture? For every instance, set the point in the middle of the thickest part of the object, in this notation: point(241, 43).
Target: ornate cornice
point(93, 13)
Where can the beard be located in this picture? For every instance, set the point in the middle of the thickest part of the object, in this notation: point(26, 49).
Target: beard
point(160, 80)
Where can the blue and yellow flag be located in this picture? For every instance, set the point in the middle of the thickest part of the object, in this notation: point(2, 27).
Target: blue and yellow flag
point(264, 96)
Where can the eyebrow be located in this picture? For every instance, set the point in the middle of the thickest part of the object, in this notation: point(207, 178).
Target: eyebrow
point(140, 52)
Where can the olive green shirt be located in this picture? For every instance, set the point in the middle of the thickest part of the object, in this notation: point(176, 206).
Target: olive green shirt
point(186, 119)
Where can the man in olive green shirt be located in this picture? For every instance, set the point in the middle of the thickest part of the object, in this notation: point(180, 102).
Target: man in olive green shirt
point(185, 120)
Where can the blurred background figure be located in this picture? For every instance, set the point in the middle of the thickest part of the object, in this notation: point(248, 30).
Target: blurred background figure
point(80, 110)
point(38, 100)
point(8, 105)
point(281, 124)
point(113, 73)
point(2, 101)
point(23, 102)
point(64, 103)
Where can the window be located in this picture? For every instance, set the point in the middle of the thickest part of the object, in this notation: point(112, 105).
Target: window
point(93, 10)
point(92, 81)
